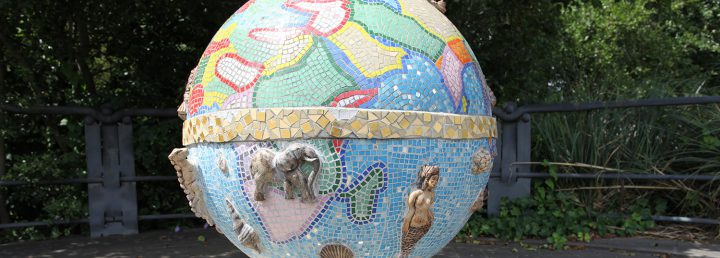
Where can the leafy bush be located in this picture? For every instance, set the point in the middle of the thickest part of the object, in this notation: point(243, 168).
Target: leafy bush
point(558, 217)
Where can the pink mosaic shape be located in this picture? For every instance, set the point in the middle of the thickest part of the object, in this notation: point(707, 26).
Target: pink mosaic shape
point(451, 69)
point(328, 15)
point(283, 218)
point(240, 100)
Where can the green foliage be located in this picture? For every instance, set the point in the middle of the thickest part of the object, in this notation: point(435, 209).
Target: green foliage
point(668, 140)
point(558, 217)
point(133, 53)
point(584, 51)
point(578, 51)
point(121, 54)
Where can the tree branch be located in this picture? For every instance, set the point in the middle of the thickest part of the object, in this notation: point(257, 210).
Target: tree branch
point(8, 47)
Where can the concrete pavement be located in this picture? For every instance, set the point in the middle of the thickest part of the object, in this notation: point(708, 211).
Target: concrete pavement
point(208, 243)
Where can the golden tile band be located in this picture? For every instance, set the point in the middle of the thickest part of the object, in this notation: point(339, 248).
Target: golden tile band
point(263, 124)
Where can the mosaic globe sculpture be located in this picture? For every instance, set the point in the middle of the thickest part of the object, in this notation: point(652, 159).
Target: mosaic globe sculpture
point(337, 128)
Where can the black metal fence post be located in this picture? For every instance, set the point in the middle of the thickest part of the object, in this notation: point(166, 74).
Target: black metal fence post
point(112, 203)
point(515, 147)
point(93, 156)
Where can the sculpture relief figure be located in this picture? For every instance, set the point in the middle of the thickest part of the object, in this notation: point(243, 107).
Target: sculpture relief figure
point(245, 233)
point(222, 165)
point(419, 217)
point(441, 5)
point(267, 163)
point(479, 201)
point(182, 109)
point(336, 251)
point(481, 161)
point(187, 176)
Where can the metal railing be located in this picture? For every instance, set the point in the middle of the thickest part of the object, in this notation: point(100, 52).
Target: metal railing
point(111, 176)
point(111, 179)
point(512, 177)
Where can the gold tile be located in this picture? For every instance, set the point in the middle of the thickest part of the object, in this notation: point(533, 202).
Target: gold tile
point(247, 119)
point(373, 126)
point(418, 131)
point(437, 127)
point(391, 117)
point(283, 123)
point(258, 135)
point(450, 132)
point(323, 121)
point(385, 131)
point(272, 124)
point(336, 132)
point(404, 123)
point(307, 127)
point(356, 125)
point(293, 118)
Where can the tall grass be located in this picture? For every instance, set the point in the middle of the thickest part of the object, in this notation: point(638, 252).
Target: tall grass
point(668, 140)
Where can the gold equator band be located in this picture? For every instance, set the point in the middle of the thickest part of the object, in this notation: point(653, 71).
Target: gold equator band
point(265, 124)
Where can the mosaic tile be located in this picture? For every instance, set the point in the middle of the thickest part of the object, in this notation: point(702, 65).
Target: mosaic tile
point(363, 186)
point(224, 126)
point(337, 129)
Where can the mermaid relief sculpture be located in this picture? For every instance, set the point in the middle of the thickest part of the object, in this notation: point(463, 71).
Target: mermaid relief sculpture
point(267, 163)
point(419, 217)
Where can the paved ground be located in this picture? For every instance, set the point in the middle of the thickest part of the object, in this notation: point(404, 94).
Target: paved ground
point(189, 244)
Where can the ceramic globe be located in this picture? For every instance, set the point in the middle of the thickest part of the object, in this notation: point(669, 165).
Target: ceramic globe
point(336, 128)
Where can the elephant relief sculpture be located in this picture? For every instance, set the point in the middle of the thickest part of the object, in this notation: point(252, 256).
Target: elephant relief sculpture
point(267, 165)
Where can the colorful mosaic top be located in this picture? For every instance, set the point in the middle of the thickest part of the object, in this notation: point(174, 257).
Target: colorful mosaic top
point(337, 129)
point(372, 54)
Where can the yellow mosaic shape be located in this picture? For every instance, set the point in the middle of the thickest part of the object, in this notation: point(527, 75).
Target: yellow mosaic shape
point(290, 54)
point(370, 56)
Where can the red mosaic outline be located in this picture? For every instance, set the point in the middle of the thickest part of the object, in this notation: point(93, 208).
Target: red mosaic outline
point(309, 28)
point(260, 68)
point(369, 95)
point(197, 95)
